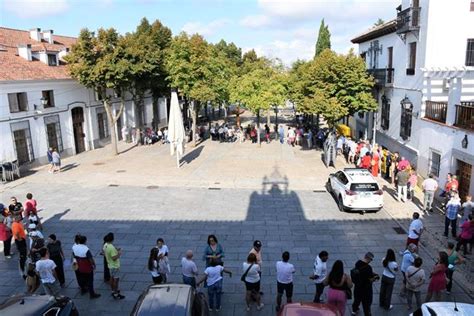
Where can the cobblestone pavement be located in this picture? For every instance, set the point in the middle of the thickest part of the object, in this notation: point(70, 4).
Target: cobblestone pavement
point(237, 191)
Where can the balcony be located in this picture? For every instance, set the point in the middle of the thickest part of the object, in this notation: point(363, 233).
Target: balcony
point(465, 115)
point(408, 20)
point(383, 77)
point(436, 111)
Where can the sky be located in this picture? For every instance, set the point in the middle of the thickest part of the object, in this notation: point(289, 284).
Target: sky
point(274, 28)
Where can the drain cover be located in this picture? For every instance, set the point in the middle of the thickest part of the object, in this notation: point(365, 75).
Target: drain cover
point(214, 188)
point(113, 185)
point(152, 187)
point(319, 191)
point(399, 230)
point(98, 163)
point(121, 171)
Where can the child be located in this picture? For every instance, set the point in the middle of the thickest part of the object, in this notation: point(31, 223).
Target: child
point(412, 181)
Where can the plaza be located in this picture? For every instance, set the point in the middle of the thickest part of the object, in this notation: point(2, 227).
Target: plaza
point(239, 192)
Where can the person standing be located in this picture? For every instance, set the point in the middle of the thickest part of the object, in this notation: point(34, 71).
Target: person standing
point(415, 230)
point(213, 279)
point(467, 209)
point(339, 285)
point(251, 275)
point(19, 235)
point(213, 251)
point(375, 162)
point(56, 161)
point(31, 211)
point(402, 184)
point(363, 278)
point(49, 154)
point(153, 266)
point(85, 266)
point(467, 235)
point(415, 276)
point(257, 251)
point(46, 269)
point(15, 208)
point(452, 209)
point(113, 255)
point(285, 271)
point(407, 261)
point(412, 181)
point(281, 134)
point(454, 258)
point(438, 278)
point(163, 262)
point(429, 189)
point(56, 254)
point(390, 267)
point(189, 269)
point(5, 233)
point(319, 274)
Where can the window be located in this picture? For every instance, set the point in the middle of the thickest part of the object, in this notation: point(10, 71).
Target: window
point(385, 122)
point(98, 95)
point(405, 122)
point(470, 52)
point(412, 59)
point(22, 142)
point(52, 60)
point(102, 124)
point(48, 95)
point(18, 102)
point(390, 65)
point(434, 163)
point(53, 132)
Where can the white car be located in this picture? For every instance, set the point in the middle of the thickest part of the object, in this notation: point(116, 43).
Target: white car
point(355, 189)
point(444, 309)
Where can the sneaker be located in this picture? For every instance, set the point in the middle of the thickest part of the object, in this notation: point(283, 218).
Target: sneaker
point(353, 313)
point(448, 292)
point(248, 308)
point(8, 257)
point(218, 309)
point(259, 307)
point(390, 307)
point(211, 310)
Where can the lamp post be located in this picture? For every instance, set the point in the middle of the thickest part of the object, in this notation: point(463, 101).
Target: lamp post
point(44, 103)
point(275, 109)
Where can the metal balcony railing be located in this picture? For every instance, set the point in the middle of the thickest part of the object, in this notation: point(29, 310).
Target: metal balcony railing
point(408, 20)
point(382, 76)
point(436, 111)
point(465, 115)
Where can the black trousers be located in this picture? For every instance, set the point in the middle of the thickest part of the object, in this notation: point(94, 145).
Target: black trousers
point(364, 296)
point(386, 289)
point(22, 253)
point(7, 246)
point(59, 269)
point(86, 282)
point(451, 222)
point(449, 275)
point(319, 292)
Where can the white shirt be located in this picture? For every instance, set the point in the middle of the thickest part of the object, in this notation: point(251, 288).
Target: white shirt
point(320, 269)
point(291, 133)
point(45, 269)
point(80, 250)
point(389, 271)
point(285, 272)
point(429, 184)
point(155, 273)
point(163, 250)
point(213, 274)
point(253, 275)
point(189, 268)
point(415, 226)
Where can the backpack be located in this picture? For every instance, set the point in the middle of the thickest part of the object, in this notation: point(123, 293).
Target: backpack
point(355, 275)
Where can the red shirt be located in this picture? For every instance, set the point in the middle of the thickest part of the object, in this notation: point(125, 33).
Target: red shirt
point(365, 162)
point(467, 229)
point(30, 207)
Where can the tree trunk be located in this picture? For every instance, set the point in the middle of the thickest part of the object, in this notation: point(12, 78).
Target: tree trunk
point(258, 128)
point(194, 110)
point(268, 118)
point(112, 122)
point(237, 115)
point(226, 113)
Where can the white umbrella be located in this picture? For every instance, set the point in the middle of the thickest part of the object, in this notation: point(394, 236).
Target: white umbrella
point(176, 134)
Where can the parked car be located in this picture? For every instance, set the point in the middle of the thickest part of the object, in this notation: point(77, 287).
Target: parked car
point(444, 308)
point(171, 299)
point(308, 309)
point(38, 305)
point(355, 190)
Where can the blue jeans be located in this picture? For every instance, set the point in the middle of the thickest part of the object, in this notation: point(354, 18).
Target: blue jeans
point(189, 281)
point(214, 292)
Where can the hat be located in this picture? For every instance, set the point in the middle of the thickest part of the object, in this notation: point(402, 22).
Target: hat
point(257, 243)
point(369, 255)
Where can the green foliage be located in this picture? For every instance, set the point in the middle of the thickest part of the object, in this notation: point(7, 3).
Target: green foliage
point(379, 22)
point(324, 39)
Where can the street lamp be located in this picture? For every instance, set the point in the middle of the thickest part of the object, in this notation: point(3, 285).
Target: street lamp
point(406, 104)
point(275, 109)
point(44, 103)
point(464, 142)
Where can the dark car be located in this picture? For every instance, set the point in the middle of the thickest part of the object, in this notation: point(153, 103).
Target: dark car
point(171, 299)
point(38, 305)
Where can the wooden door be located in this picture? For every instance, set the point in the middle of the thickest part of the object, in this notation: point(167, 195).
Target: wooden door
point(464, 173)
point(77, 126)
point(52, 136)
point(21, 145)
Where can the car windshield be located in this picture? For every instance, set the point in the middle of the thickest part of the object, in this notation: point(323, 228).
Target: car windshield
point(364, 187)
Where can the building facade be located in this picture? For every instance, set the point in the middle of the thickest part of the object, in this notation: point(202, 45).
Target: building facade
point(423, 65)
point(41, 106)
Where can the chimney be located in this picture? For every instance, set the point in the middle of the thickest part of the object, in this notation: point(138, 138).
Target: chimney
point(35, 34)
point(25, 51)
point(48, 36)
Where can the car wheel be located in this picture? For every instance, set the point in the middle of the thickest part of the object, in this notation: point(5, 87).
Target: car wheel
point(329, 186)
point(340, 204)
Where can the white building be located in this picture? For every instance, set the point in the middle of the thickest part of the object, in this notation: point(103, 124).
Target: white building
point(41, 106)
point(423, 63)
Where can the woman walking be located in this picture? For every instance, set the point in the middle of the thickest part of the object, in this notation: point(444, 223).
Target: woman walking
point(454, 258)
point(153, 266)
point(415, 279)
point(56, 161)
point(213, 251)
point(340, 285)
point(5, 233)
point(251, 276)
point(85, 266)
point(438, 278)
point(56, 254)
point(213, 279)
point(390, 267)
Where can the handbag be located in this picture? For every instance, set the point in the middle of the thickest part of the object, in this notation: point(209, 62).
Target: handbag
point(74, 265)
point(348, 292)
point(242, 278)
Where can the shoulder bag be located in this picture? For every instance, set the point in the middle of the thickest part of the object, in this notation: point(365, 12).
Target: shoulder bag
point(242, 278)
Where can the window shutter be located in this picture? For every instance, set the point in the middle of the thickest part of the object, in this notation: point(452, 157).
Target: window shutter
point(13, 102)
point(23, 100)
point(470, 52)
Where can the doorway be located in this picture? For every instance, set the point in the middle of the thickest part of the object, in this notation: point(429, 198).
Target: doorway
point(21, 145)
point(119, 128)
point(78, 128)
point(464, 173)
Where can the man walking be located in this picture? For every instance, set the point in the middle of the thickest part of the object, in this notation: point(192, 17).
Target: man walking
point(46, 269)
point(189, 269)
point(18, 232)
point(452, 209)
point(319, 274)
point(285, 271)
point(429, 189)
point(407, 261)
point(415, 230)
point(402, 184)
point(112, 256)
point(363, 276)
point(281, 134)
point(257, 251)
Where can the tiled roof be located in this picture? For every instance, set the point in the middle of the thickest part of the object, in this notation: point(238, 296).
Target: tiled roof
point(15, 67)
point(377, 31)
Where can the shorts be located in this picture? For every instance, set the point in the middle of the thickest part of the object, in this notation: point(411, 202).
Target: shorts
point(114, 272)
point(252, 286)
point(413, 241)
point(285, 287)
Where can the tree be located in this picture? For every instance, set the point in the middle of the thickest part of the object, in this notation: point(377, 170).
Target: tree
point(379, 22)
point(324, 39)
point(100, 63)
